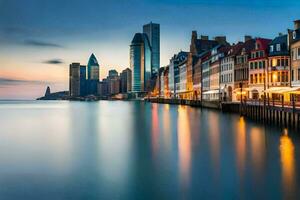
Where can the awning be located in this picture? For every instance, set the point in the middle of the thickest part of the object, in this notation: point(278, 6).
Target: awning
point(282, 90)
point(212, 92)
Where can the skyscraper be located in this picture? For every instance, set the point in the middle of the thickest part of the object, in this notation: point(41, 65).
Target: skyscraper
point(93, 68)
point(74, 78)
point(152, 31)
point(83, 91)
point(126, 80)
point(93, 75)
point(140, 62)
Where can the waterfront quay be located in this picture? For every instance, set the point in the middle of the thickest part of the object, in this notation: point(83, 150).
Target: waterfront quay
point(274, 113)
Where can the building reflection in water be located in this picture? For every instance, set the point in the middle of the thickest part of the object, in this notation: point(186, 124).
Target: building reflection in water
point(214, 138)
point(155, 129)
point(166, 126)
point(184, 145)
point(287, 157)
point(241, 146)
point(258, 150)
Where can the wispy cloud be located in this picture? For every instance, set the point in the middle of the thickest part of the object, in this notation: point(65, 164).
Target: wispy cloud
point(55, 61)
point(14, 82)
point(37, 43)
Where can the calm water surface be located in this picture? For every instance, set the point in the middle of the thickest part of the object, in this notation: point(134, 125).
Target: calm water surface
point(137, 150)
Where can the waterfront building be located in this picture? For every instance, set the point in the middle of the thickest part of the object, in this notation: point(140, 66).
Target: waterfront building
point(93, 75)
point(257, 68)
point(217, 53)
point(227, 72)
point(174, 74)
point(113, 82)
point(166, 82)
point(140, 63)
point(205, 85)
point(74, 80)
point(197, 75)
point(160, 79)
point(93, 68)
point(152, 30)
point(102, 88)
point(197, 47)
point(83, 90)
point(125, 80)
point(294, 42)
point(241, 69)
point(278, 70)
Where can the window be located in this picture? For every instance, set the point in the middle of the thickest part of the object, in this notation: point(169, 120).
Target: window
point(277, 47)
point(294, 54)
point(260, 65)
point(298, 74)
point(294, 35)
point(251, 65)
point(271, 48)
point(278, 62)
point(251, 78)
point(292, 75)
point(298, 57)
point(255, 65)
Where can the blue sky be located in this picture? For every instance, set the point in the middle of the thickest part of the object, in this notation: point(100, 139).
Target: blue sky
point(39, 38)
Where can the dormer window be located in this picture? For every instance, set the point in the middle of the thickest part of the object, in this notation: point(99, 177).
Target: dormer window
point(271, 48)
point(294, 35)
point(257, 46)
point(278, 47)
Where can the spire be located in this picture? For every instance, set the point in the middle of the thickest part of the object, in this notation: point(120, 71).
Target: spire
point(93, 60)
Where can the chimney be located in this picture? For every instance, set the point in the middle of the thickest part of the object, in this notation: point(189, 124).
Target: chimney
point(221, 39)
point(193, 48)
point(247, 38)
point(204, 37)
point(280, 34)
point(297, 24)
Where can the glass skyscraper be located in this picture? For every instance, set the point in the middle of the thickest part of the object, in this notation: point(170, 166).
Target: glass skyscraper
point(93, 68)
point(93, 75)
point(152, 30)
point(140, 62)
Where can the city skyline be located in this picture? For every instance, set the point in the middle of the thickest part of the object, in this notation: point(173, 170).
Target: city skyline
point(40, 40)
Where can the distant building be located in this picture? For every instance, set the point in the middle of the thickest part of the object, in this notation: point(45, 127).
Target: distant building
point(140, 63)
point(174, 73)
point(83, 85)
point(152, 31)
point(74, 80)
point(93, 75)
point(113, 82)
point(102, 88)
point(125, 80)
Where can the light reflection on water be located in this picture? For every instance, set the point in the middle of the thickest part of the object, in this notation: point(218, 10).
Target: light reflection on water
point(136, 150)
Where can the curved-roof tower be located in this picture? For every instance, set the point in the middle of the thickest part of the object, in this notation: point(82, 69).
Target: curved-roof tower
point(93, 68)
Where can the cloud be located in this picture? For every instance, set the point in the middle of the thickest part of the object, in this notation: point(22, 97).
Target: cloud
point(14, 82)
point(36, 43)
point(56, 61)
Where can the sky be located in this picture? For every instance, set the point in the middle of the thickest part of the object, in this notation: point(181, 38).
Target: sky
point(39, 39)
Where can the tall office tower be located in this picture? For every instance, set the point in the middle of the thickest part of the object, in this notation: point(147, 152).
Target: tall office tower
point(126, 80)
point(83, 89)
point(140, 63)
point(74, 80)
point(93, 68)
point(93, 75)
point(152, 31)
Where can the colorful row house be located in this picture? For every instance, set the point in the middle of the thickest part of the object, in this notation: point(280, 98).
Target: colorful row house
point(256, 69)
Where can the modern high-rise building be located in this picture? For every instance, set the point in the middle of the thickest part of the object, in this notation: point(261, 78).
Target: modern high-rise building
point(125, 80)
point(140, 63)
point(93, 75)
point(74, 80)
point(83, 91)
point(152, 31)
point(93, 68)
